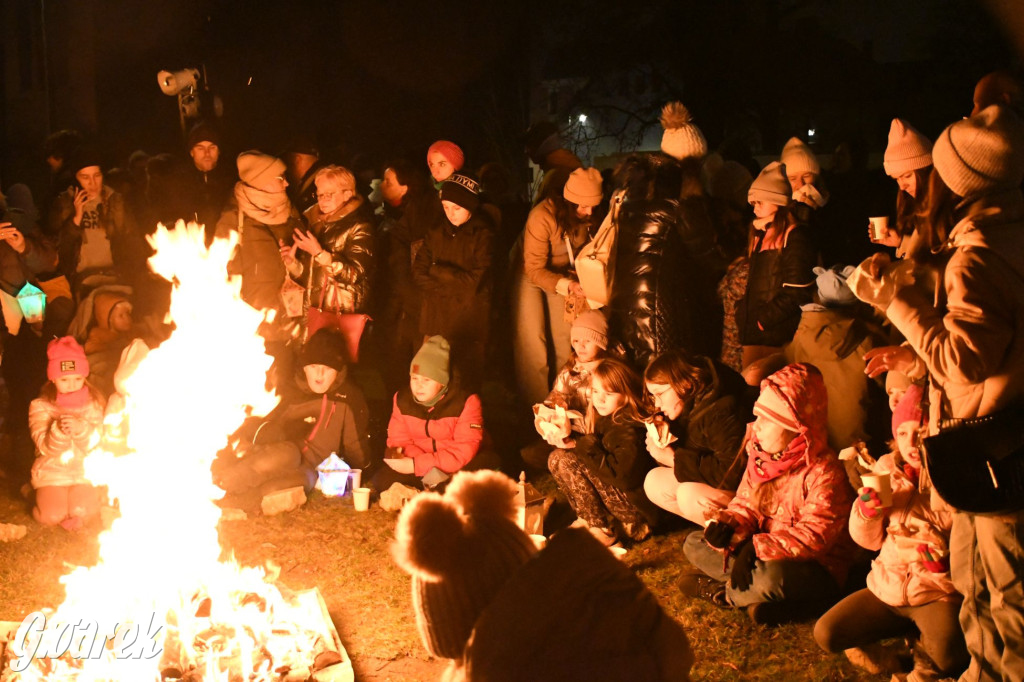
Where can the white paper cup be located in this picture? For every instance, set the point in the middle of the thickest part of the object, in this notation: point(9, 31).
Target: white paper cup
point(355, 479)
point(881, 484)
point(539, 540)
point(879, 227)
point(361, 499)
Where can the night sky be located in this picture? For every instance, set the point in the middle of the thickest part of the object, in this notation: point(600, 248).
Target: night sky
point(387, 78)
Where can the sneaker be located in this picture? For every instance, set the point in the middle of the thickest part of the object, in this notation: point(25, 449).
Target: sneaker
point(700, 586)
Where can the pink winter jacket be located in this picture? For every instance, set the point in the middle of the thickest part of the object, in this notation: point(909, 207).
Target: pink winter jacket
point(897, 576)
point(447, 435)
point(802, 514)
point(60, 459)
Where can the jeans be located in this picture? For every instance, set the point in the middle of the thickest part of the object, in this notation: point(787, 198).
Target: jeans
point(542, 338)
point(986, 564)
point(777, 580)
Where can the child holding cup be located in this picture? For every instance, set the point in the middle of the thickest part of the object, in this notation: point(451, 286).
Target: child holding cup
point(65, 422)
point(571, 390)
point(909, 584)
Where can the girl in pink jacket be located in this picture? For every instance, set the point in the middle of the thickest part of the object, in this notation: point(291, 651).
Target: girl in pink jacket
point(65, 422)
point(780, 548)
point(909, 586)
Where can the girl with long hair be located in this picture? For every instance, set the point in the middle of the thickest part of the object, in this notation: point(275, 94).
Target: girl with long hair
point(603, 476)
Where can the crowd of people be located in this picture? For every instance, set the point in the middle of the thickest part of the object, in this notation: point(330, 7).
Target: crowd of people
point(700, 339)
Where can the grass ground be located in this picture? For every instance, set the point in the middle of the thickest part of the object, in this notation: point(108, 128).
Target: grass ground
point(326, 544)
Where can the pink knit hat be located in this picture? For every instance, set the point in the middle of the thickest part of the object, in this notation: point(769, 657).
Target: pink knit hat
point(909, 408)
point(65, 357)
point(907, 150)
point(798, 158)
point(448, 150)
point(981, 154)
point(770, 186)
point(583, 187)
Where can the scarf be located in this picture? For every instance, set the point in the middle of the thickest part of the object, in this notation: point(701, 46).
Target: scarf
point(763, 466)
point(75, 400)
point(269, 208)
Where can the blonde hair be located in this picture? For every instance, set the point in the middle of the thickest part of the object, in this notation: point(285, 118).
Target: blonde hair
point(338, 174)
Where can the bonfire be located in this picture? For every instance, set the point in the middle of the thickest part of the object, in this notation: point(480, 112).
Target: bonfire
point(163, 602)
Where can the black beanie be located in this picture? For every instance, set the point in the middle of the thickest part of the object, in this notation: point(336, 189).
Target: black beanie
point(203, 132)
point(325, 347)
point(462, 190)
point(84, 157)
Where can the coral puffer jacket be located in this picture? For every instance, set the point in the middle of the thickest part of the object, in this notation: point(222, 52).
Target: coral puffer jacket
point(447, 435)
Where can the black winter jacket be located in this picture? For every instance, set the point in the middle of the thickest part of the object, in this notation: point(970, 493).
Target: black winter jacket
point(710, 436)
point(656, 303)
point(781, 280)
point(616, 454)
point(452, 273)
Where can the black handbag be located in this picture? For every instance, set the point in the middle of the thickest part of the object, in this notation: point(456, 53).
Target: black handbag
point(977, 464)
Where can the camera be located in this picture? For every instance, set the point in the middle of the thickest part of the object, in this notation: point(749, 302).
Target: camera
point(175, 82)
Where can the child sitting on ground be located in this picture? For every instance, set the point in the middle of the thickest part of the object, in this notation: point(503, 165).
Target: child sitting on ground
point(328, 415)
point(784, 535)
point(436, 427)
point(696, 435)
point(571, 390)
point(66, 425)
point(909, 584)
point(603, 476)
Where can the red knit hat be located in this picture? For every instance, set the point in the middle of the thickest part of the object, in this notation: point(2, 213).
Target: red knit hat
point(448, 150)
point(65, 357)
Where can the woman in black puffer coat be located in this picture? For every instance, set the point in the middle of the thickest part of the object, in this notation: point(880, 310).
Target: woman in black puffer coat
point(657, 304)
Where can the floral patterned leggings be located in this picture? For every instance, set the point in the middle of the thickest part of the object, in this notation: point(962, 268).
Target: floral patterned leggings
point(593, 500)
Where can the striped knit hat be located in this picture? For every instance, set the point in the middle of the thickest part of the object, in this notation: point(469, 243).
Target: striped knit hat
point(460, 550)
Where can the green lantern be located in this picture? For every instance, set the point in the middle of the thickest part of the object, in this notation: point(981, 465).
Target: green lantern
point(32, 302)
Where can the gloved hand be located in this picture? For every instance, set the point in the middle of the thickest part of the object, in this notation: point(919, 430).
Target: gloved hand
point(718, 534)
point(876, 280)
point(743, 562)
point(867, 503)
point(932, 559)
